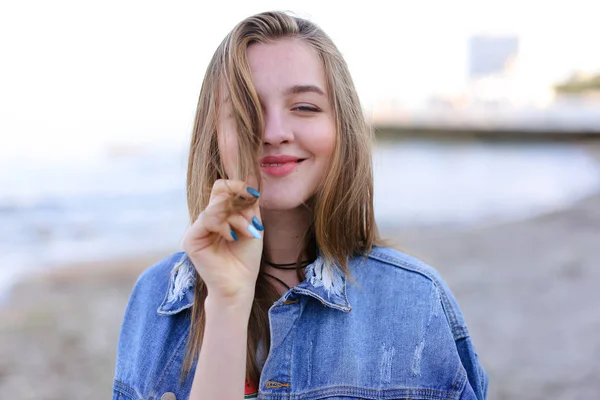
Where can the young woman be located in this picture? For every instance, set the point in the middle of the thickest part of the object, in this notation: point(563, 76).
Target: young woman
point(285, 290)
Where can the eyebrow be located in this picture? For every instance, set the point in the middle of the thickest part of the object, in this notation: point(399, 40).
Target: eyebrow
point(298, 89)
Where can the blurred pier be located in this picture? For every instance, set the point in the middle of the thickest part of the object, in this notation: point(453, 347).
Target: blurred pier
point(566, 118)
point(450, 133)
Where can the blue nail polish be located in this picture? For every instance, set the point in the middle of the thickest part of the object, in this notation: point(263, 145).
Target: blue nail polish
point(253, 191)
point(254, 232)
point(257, 224)
point(234, 236)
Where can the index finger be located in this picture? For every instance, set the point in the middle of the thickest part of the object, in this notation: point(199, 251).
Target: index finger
point(239, 188)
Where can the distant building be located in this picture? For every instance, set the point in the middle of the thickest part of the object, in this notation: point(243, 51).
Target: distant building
point(491, 55)
point(494, 75)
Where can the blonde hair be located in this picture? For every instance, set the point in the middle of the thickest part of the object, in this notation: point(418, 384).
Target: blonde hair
point(343, 223)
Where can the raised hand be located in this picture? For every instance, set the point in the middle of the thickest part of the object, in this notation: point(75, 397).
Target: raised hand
point(225, 244)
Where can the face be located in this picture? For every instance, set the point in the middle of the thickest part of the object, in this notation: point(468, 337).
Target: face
point(299, 136)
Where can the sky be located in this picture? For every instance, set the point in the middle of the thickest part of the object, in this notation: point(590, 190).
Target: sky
point(76, 75)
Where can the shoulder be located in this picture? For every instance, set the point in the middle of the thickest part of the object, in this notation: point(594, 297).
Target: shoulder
point(148, 339)
point(398, 268)
point(406, 275)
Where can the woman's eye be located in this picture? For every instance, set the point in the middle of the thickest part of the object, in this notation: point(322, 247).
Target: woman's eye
point(306, 108)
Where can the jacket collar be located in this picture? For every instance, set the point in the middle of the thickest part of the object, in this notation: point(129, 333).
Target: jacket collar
point(324, 281)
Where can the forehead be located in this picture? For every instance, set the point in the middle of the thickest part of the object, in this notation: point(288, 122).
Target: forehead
point(276, 66)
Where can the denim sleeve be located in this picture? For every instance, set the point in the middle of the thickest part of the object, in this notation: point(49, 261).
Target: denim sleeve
point(478, 378)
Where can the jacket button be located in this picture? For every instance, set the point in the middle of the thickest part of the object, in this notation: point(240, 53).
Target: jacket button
point(168, 396)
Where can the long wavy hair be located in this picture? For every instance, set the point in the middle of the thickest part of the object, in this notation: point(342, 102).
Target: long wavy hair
point(343, 223)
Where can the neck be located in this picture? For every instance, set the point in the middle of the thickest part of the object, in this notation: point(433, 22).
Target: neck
point(284, 234)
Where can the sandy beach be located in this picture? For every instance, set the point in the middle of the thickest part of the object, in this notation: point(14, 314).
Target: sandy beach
point(528, 290)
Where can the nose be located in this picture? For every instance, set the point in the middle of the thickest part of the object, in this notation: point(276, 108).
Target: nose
point(277, 131)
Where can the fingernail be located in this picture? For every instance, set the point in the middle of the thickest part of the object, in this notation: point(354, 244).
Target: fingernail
point(234, 236)
point(257, 224)
point(253, 191)
point(254, 232)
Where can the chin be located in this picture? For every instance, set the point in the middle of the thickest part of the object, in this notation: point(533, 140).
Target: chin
point(281, 200)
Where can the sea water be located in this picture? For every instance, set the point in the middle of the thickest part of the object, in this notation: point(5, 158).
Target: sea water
point(74, 209)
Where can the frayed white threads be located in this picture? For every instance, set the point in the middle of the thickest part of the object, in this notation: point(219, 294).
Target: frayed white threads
point(325, 275)
point(183, 278)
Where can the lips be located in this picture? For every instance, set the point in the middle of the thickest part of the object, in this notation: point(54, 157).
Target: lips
point(282, 159)
point(281, 165)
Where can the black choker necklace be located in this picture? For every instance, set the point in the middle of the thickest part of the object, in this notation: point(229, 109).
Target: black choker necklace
point(303, 264)
point(289, 266)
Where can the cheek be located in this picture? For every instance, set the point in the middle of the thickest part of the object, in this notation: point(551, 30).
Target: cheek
point(324, 142)
point(319, 138)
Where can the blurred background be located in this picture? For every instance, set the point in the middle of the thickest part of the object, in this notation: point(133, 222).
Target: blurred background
point(487, 166)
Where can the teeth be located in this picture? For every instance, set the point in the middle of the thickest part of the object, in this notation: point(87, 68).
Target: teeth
point(271, 165)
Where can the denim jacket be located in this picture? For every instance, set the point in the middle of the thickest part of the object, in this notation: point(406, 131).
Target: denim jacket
point(392, 331)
